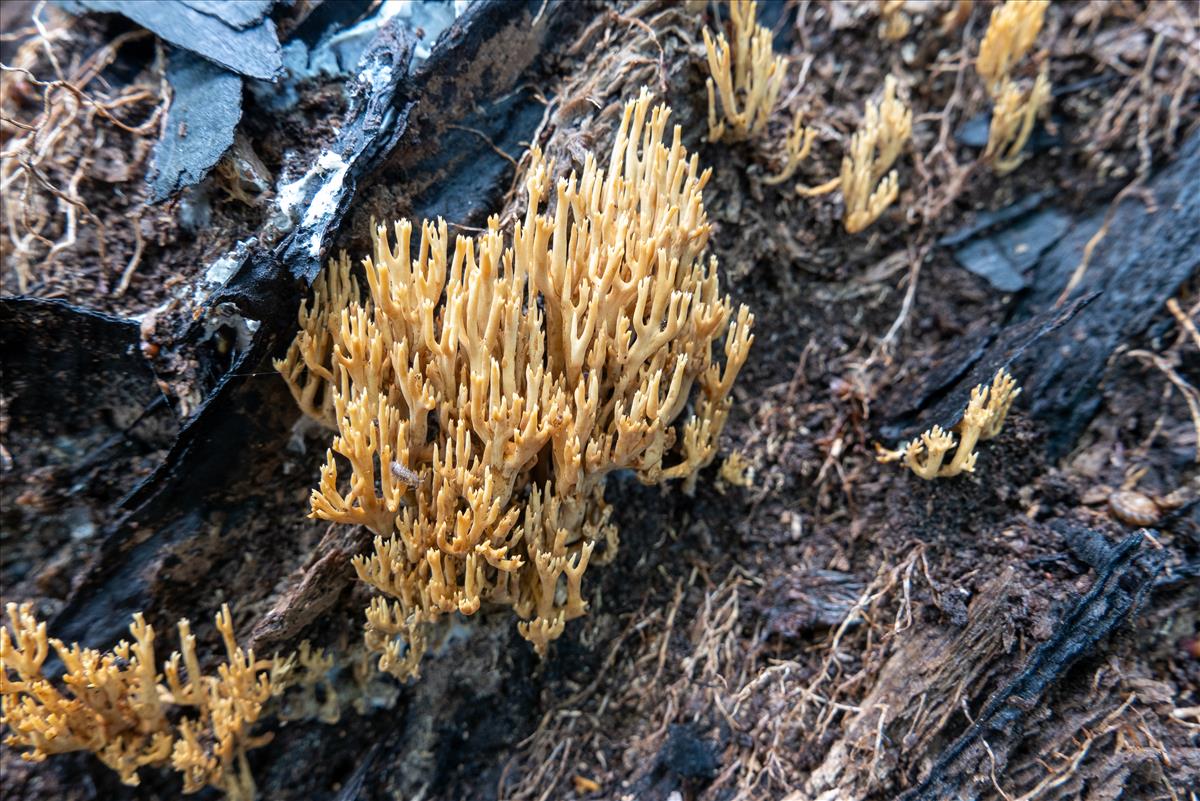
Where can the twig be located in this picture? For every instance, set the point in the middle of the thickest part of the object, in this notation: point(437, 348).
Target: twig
point(486, 139)
point(914, 275)
point(1190, 394)
point(139, 244)
point(1185, 320)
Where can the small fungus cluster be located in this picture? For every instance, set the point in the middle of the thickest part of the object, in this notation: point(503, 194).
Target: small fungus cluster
point(746, 75)
point(1011, 32)
point(982, 420)
point(796, 148)
point(869, 184)
point(894, 23)
point(303, 677)
point(117, 705)
point(486, 387)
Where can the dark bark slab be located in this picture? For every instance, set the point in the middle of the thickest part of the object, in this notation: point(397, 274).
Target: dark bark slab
point(48, 375)
point(1005, 259)
point(1120, 584)
point(206, 107)
point(378, 117)
point(241, 14)
point(86, 415)
point(251, 49)
point(1144, 259)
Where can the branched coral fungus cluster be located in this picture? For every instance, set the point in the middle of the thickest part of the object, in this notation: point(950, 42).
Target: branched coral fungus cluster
point(869, 184)
point(1010, 35)
point(116, 704)
point(748, 76)
point(486, 387)
point(982, 420)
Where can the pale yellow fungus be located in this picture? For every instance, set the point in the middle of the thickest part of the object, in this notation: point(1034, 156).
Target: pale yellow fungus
point(895, 24)
point(1012, 122)
point(1010, 35)
point(796, 148)
point(507, 376)
point(117, 705)
point(868, 183)
point(982, 420)
point(746, 75)
point(1011, 31)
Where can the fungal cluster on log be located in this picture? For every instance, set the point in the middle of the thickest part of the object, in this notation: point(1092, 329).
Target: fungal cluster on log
point(506, 378)
point(119, 706)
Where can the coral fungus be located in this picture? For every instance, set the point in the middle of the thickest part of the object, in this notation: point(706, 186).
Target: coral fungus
point(115, 704)
point(1012, 123)
point(982, 420)
point(894, 23)
point(867, 185)
point(747, 75)
point(797, 146)
point(1011, 32)
point(485, 390)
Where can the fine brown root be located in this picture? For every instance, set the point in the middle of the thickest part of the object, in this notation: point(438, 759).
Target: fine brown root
point(1169, 362)
point(53, 131)
point(703, 660)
